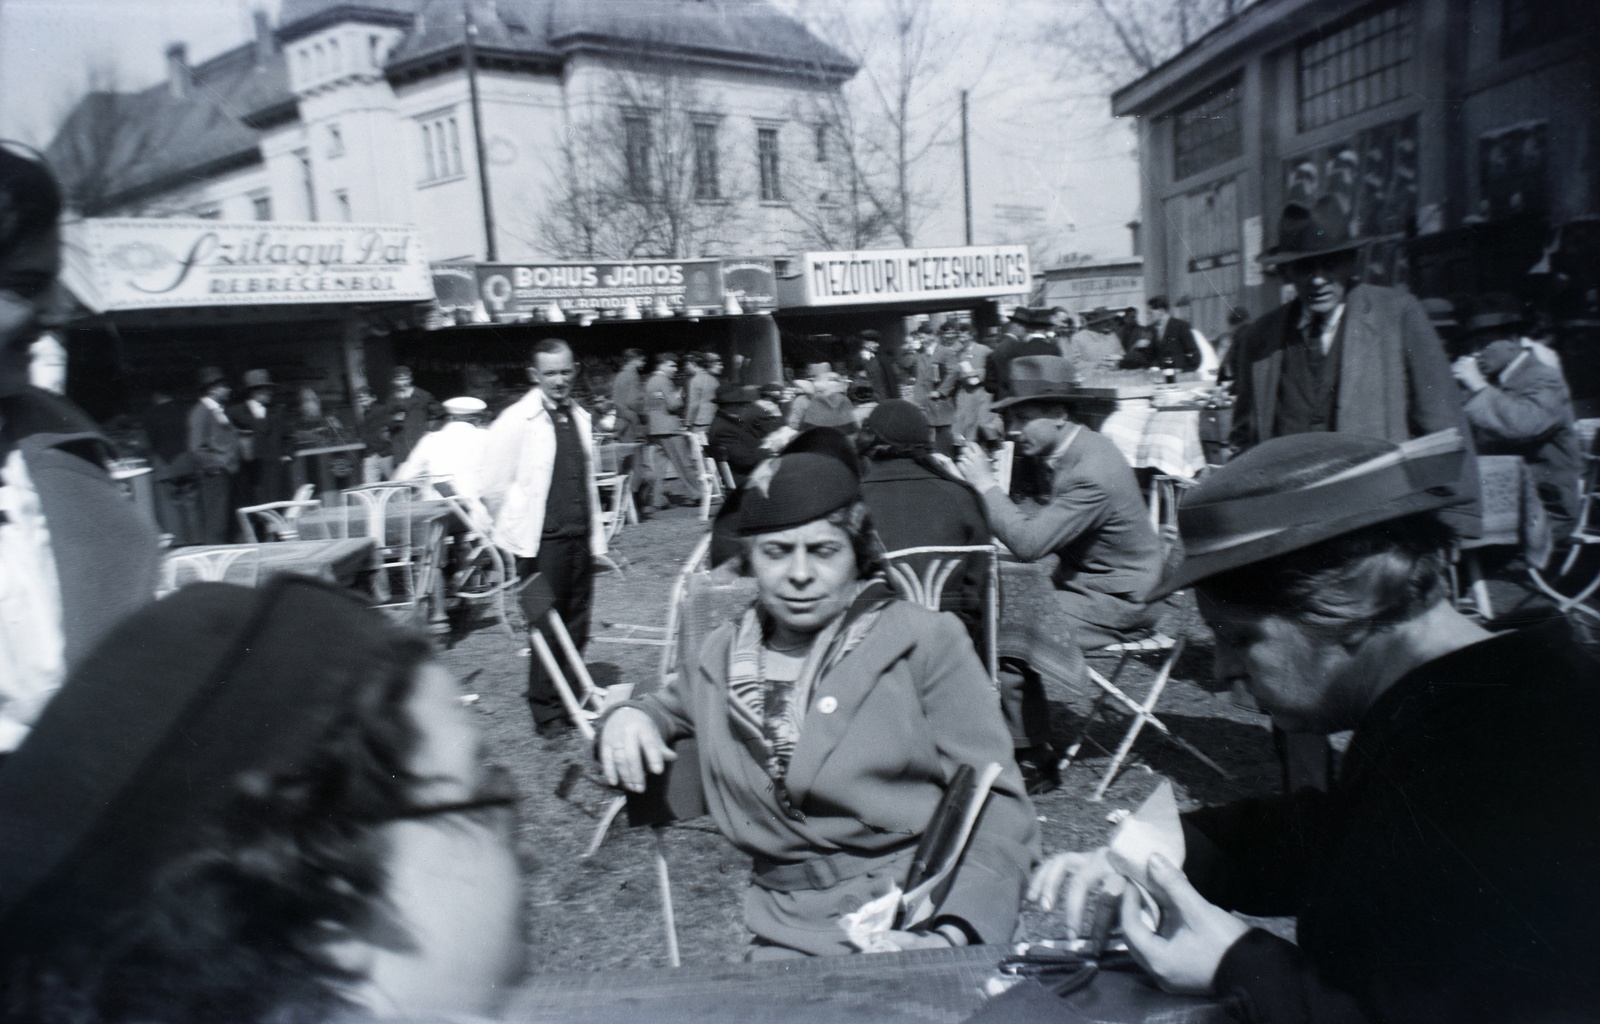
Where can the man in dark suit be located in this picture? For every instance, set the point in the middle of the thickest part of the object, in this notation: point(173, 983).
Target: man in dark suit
point(413, 410)
point(75, 554)
point(262, 431)
point(878, 372)
point(215, 446)
point(1173, 345)
point(1034, 340)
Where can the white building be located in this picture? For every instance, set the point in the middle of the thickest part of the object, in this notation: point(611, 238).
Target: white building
point(703, 115)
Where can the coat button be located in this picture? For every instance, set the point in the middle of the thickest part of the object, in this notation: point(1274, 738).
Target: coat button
point(827, 705)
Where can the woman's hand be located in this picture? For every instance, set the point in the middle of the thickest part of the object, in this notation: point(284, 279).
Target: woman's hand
point(1184, 953)
point(1081, 874)
point(630, 746)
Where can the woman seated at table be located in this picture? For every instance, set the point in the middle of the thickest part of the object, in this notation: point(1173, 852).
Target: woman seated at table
point(256, 805)
point(830, 717)
point(1449, 875)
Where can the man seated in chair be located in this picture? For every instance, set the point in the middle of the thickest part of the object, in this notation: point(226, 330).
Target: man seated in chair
point(1095, 523)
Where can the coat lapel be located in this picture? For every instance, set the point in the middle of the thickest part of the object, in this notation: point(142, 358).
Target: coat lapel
point(1267, 372)
point(848, 684)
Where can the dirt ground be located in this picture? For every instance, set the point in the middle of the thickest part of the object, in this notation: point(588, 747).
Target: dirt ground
point(605, 912)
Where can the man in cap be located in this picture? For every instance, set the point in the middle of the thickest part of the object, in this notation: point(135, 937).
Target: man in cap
point(735, 436)
point(663, 400)
point(1095, 523)
point(455, 452)
point(880, 373)
point(1095, 346)
point(413, 411)
point(700, 402)
point(75, 555)
point(537, 483)
point(1034, 341)
point(1170, 345)
point(1435, 881)
point(217, 450)
point(1341, 356)
point(1519, 406)
point(262, 435)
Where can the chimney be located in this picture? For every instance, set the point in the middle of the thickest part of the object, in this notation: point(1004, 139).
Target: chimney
point(1135, 236)
point(178, 74)
point(264, 44)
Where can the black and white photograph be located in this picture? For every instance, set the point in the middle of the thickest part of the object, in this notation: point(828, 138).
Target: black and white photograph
point(799, 511)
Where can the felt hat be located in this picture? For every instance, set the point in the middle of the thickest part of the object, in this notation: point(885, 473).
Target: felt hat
point(146, 743)
point(1496, 310)
point(825, 441)
point(210, 375)
point(1027, 316)
point(950, 325)
point(870, 335)
point(257, 379)
point(464, 406)
point(1292, 492)
point(1441, 312)
point(1099, 315)
point(736, 394)
point(899, 422)
point(1321, 229)
point(1040, 378)
point(794, 489)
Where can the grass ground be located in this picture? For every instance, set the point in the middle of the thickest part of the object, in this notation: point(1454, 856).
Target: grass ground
point(604, 912)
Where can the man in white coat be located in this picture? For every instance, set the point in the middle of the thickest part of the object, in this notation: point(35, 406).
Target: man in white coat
point(455, 452)
point(537, 482)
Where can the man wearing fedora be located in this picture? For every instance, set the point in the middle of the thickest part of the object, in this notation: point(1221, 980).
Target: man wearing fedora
point(1034, 341)
point(262, 435)
point(1518, 405)
point(1108, 557)
point(214, 443)
point(1094, 346)
point(1447, 875)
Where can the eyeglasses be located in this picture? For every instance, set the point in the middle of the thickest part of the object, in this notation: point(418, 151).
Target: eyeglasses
point(498, 791)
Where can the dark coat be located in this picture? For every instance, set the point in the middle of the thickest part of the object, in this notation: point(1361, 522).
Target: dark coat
point(997, 377)
point(1175, 343)
point(214, 443)
point(882, 376)
point(738, 443)
point(105, 551)
point(1448, 876)
point(627, 396)
point(267, 444)
point(411, 417)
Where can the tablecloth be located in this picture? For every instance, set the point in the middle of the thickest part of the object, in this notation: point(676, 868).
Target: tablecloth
point(1163, 439)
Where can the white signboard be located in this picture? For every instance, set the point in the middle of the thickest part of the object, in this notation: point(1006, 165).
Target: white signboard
point(1252, 251)
point(150, 263)
point(900, 275)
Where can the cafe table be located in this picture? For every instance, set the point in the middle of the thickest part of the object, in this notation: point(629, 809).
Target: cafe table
point(915, 987)
point(1150, 423)
point(430, 525)
point(337, 561)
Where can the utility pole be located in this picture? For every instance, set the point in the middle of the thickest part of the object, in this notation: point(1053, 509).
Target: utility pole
point(966, 166)
point(469, 60)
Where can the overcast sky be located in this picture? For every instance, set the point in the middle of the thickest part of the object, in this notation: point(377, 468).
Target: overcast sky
point(1040, 140)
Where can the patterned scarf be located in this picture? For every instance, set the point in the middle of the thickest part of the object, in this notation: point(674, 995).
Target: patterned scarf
point(766, 714)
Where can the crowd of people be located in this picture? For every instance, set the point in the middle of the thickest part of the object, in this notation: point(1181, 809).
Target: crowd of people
point(271, 804)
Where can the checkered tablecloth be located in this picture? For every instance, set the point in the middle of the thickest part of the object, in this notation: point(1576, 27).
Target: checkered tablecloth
point(1163, 439)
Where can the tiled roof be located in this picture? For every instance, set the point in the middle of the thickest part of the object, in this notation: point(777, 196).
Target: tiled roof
point(300, 14)
point(504, 26)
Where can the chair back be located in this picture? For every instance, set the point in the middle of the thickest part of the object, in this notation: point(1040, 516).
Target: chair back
point(606, 460)
point(233, 564)
point(380, 511)
point(922, 575)
point(275, 520)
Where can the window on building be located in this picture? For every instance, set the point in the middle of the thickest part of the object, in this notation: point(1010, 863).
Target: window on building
point(322, 59)
point(441, 148)
point(333, 55)
point(307, 182)
point(822, 143)
point(636, 143)
point(706, 185)
point(1207, 131)
point(767, 158)
point(335, 141)
point(375, 50)
point(208, 211)
point(261, 207)
point(1356, 64)
point(341, 203)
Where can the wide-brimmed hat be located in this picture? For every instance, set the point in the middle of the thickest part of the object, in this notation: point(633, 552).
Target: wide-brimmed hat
point(210, 375)
point(794, 489)
point(1496, 310)
point(1292, 492)
point(1099, 315)
point(1441, 312)
point(1321, 229)
point(257, 379)
point(464, 406)
point(735, 394)
point(1040, 379)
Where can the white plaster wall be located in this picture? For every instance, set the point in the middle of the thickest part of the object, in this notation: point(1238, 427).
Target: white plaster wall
point(230, 194)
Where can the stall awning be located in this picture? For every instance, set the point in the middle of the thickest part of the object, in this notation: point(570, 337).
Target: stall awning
point(138, 263)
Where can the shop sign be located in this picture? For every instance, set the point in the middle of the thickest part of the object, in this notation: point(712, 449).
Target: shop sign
point(753, 282)
point(518, 291)
point(1201, 264)
point(149, 263)
point(869, 276)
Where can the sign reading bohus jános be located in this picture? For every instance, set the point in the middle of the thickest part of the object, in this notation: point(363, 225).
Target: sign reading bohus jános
point(871, 276)
point(521, 291)
point(147, 263)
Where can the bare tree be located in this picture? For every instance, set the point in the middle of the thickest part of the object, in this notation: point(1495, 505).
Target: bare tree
point(105, 143)
point(1123, 39)
point(838, 200)
point(647, 173)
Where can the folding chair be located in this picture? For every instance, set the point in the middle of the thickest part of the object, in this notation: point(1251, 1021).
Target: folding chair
point(611, 482)
point(277, 520)
point(922, 574)
point(1568, 590)
point(233, 564)
point(589, 701)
